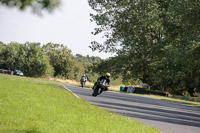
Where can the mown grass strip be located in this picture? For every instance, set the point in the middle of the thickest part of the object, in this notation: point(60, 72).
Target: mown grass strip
point(35, 107)
point(191, 103)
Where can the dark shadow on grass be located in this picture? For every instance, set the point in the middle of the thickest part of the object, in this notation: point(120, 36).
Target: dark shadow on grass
point(32, 130)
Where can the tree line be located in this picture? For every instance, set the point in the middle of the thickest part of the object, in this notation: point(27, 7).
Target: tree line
point(37, 60)
point(155, 41)
point(48, 60)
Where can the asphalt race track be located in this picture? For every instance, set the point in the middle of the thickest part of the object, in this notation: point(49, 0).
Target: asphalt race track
point(168, 117)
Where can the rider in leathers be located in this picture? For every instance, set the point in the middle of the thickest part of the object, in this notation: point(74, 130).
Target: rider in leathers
point(107, 78)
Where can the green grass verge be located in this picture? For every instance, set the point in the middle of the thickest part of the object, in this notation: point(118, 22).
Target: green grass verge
point(36, 107)
point(195, 104)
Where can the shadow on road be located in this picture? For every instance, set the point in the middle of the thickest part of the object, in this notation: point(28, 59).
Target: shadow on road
point(149, 113)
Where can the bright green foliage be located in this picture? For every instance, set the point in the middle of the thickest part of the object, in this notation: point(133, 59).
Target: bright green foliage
point(35, 60)
point(63, 62)
point(88, 63)
point(30, 58)
point(96, 67)
point(78, 70)
point(157, 41)
point(88, 59)
point(36, 107)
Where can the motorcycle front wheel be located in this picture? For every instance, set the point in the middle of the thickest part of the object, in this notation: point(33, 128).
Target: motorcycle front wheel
point(95, 91)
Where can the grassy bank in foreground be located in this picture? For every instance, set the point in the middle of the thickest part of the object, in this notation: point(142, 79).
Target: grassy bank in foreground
point(29, 106)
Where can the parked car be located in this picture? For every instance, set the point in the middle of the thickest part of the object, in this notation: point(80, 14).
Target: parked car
point(3, 71)
point(10, 72)
point(18, 72)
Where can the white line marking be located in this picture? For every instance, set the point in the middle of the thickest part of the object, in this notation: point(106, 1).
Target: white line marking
point(70, 91)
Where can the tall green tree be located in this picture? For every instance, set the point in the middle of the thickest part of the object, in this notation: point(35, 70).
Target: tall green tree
point(64, 63)
point(153, 40)
point(131, 31)
point(36, 61)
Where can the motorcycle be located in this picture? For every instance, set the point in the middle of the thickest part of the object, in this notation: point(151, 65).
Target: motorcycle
point(82, 83)
point(99, 87)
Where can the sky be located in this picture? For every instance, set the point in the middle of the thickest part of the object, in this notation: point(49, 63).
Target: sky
point(69, 25)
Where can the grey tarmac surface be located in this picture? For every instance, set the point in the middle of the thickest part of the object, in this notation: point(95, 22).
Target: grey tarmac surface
point(168, 117)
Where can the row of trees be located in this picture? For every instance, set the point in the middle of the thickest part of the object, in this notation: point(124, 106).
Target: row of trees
point(37, 60)
point(89, 63)
point(156, 42)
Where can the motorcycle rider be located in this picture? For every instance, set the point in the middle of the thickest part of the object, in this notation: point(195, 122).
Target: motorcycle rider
point(107, 78)
point(83, 79)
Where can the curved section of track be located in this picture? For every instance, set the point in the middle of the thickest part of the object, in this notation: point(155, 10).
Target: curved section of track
point(168, 117)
